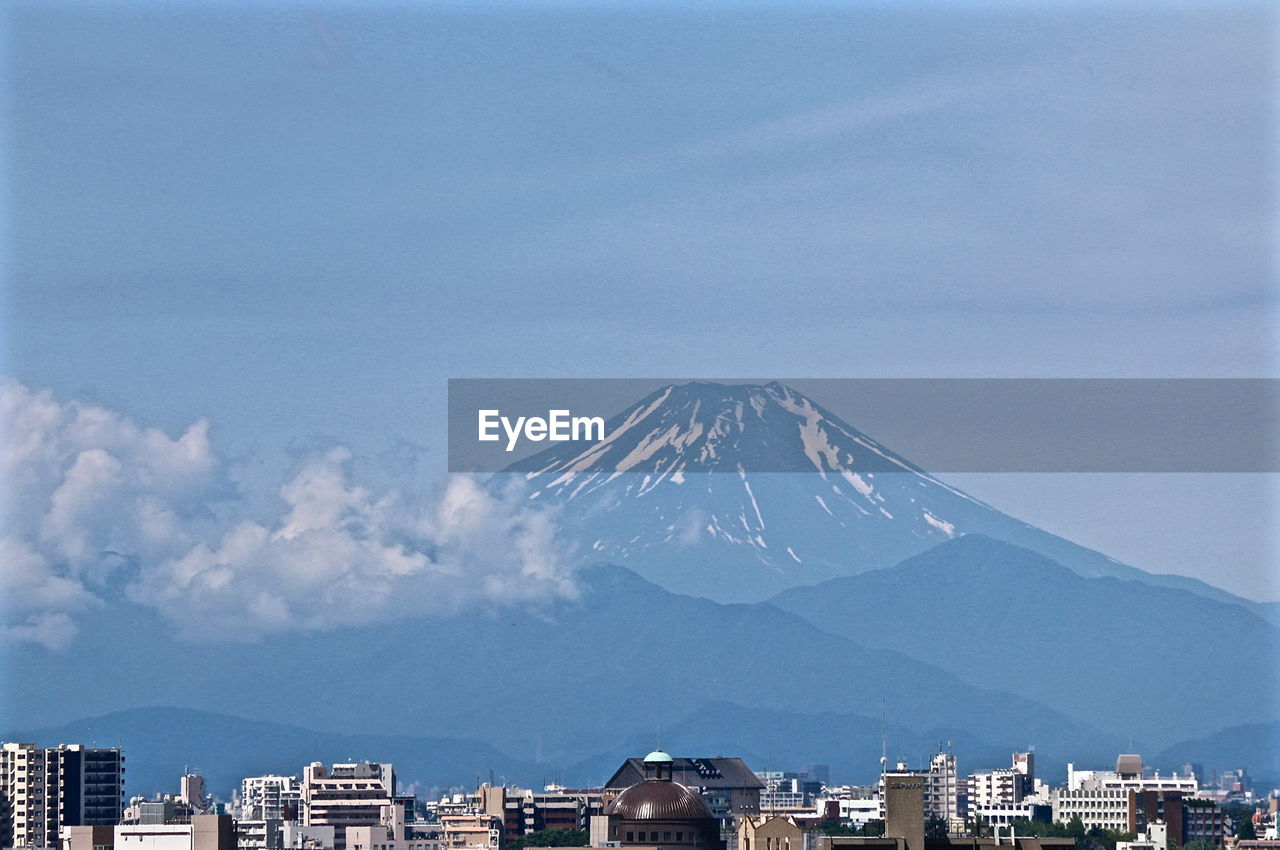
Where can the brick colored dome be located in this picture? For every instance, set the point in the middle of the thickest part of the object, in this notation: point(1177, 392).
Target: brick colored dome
point(661, 800)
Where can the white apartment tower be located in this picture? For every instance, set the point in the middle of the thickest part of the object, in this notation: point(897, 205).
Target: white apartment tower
point(43, 790)
point(941, 788)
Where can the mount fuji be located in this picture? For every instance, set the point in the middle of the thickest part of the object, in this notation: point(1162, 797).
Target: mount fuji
point(676, 492)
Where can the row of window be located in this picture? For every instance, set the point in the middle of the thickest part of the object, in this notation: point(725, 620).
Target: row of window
point(653, 836)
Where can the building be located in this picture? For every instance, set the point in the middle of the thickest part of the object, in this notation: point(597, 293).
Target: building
point(1101, 798)
point(1003, 815)
point(941, 790)
point(346, 795)
point(658, 811)
point(728, 787)
point(270, 798)
point(786, 791)
point(524, 811)
point(471, 832)
point(167, 810)
point(1204, 820)
point(770, 832)
point(392, 833)
point(204, 832)
point(1129, 774)
point(44, 790)
point(1156, 837)
point(855, 806)
point(904, 829)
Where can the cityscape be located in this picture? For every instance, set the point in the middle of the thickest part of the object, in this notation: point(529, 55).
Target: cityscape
point(71, 797)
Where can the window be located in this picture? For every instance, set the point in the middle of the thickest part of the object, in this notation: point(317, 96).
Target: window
point(629, 838)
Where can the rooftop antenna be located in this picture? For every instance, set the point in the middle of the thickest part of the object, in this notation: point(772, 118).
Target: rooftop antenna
point(884, 735)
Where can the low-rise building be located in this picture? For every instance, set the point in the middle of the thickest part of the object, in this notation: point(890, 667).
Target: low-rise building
point(770, 832)
point(471, 832)
point(392, 833)
point(202, 832)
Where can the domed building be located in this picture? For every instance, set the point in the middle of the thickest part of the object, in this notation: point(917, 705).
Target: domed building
point(660, 812)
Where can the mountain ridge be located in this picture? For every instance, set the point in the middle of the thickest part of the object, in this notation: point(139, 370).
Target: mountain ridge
point(674, 492)
point(999, 612)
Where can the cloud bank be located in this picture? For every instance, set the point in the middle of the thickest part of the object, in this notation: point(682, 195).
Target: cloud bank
point(95, 505)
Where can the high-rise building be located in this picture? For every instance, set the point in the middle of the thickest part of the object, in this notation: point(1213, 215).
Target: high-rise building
point(941, 789)
point(270, 798)
point(43, 790)
point(346, 795)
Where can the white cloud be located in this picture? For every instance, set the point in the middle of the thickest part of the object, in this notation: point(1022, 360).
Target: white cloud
point(89, 491)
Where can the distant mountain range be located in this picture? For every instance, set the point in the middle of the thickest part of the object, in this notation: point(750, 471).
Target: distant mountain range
point(736, 492)
point(163, 743)
point(555, 685)
point(884, 616)
point(1254, 745)
point(1148, 662)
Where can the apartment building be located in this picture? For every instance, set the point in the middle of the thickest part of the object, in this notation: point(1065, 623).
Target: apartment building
point(43, 790)
point(346, 795)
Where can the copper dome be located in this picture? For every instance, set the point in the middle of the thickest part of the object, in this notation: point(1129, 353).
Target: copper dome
point(659, 800)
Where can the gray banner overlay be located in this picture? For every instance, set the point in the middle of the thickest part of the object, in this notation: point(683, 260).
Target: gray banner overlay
point(653, 426)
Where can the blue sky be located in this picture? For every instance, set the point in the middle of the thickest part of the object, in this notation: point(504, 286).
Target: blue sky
point(296, 221)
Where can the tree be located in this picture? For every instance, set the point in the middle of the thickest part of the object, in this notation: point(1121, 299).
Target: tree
point(833, 826)
point(1242, 817)
point(1200, 844)
point(935, 827)
point(551, 838)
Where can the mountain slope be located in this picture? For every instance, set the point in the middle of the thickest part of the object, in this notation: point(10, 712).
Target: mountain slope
point(554, 685)
point(1002, 616)
point(162, 743)
point(736, 492)
point(1254, 747)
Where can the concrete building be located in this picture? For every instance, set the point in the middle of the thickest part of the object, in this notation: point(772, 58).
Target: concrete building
point(860, 811)
point(1003, 815)
point(44, 790)
point(295, 836)
point(1101, 798)
point(346, 795)
point(770, 832)
point(994, 788)
point(204, 832)
point(1204, 820)
point(524, 811)
point(151, 812)
point(788, 791)
point(905, 819)
point(941, 789)
point(471, 832)
point(1129, 775)
point(392, 833)
point(270, 798)
point(1105, 808)
point(1156, 837)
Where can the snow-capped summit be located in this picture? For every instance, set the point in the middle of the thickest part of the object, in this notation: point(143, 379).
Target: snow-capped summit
point(736, 492)
point(709, 427)
point(703, 482)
